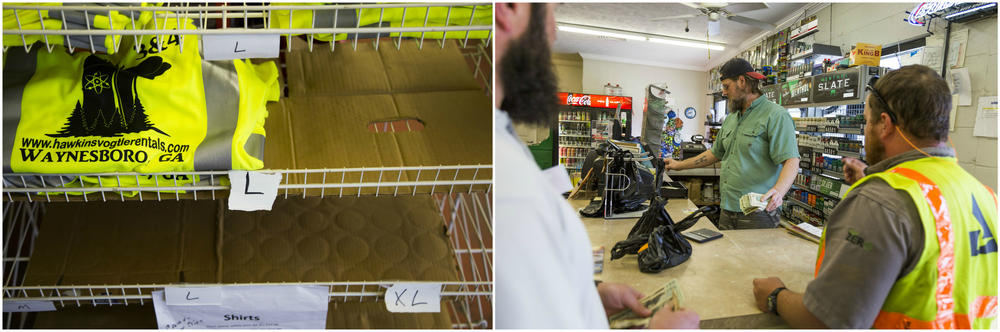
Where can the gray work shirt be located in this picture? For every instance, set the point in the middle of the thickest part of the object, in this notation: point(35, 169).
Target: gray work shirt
point(887, 238)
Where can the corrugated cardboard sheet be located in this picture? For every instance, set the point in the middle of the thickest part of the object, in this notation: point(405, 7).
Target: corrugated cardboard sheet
point(299, 240)
point(334, 96)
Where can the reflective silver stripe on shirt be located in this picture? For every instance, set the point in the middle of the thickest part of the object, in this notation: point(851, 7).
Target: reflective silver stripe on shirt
point(222, 103)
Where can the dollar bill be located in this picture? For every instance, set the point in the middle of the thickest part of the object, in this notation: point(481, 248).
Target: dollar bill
point(752, 202)
point(669, 296)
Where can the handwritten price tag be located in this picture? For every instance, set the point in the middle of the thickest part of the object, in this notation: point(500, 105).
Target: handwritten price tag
point(28, 306)
point(413, 297)
point(193, 295)
point(229, 47)
point(252, 191)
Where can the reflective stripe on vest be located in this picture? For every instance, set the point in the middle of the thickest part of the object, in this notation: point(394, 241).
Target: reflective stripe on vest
point(945, 261)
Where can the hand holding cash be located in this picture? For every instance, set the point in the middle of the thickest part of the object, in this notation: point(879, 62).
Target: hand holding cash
point(669, 295)
point(752, 202)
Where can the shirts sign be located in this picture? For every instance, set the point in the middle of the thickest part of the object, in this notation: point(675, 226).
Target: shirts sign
point(248, 307)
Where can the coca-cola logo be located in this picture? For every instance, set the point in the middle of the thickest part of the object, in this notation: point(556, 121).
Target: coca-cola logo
point(581, 100)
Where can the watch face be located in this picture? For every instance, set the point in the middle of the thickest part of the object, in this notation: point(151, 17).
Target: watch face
point(690, 112)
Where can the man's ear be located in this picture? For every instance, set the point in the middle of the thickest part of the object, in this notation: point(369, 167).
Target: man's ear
point(510, 18)
point(888, 127)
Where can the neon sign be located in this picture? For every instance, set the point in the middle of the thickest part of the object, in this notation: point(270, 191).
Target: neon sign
point(927, 8)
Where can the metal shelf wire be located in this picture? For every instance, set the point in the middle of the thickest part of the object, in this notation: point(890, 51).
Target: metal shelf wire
point(203, 17)
point(469, 302)
point(338, 182)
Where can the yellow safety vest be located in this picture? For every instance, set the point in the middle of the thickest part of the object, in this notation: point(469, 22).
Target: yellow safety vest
point(413, 17)
point(954, 284)
point(156, 110)
point(56, 19)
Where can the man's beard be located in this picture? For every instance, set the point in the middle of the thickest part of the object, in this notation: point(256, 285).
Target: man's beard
point(529, 84)
point(874, 150)
point(734, 105)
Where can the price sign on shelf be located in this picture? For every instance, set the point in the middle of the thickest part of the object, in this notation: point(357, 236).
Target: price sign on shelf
point(230, 47)
point(252, 191)
point(193, 295)
point(413, 297)
point(245, 307)
point(28, 306)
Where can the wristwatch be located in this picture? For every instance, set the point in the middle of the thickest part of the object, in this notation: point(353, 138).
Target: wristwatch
point(772, 301)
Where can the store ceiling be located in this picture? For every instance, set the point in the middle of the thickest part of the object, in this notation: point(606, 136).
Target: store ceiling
point(637, 17)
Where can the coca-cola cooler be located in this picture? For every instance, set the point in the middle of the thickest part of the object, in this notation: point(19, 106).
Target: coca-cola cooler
point(584, 121)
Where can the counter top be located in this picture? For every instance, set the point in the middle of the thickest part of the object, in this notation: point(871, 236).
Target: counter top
point(717, 281)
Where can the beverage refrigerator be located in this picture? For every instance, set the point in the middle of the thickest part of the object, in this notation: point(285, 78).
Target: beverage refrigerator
point(585, 120)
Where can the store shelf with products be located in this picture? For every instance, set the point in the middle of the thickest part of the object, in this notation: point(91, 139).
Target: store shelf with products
point(806, 206)
point(384, 84)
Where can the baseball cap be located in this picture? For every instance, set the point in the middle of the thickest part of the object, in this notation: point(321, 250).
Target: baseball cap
point(737, 67)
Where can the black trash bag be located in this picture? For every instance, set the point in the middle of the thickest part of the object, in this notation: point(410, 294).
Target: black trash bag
point(593, 210)
point(628, 194)
point(654, 216)
point(667, 248)
point(692, 218)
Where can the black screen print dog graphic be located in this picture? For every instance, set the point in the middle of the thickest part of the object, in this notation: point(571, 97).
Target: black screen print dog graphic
point(110, 105)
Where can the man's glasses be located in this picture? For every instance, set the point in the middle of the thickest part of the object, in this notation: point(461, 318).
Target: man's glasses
point(887, 110)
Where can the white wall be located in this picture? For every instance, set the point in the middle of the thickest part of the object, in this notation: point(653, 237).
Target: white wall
point(687, 88)
point(883, 24)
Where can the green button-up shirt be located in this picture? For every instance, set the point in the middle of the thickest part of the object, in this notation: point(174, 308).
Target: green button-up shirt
point(752, 147)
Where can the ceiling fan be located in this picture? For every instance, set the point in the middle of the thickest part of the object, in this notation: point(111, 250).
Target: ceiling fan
point(717, 10)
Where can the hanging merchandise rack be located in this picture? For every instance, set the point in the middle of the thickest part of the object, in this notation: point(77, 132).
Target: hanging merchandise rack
point(244, 13)
point(460, 190)
point(338, 182)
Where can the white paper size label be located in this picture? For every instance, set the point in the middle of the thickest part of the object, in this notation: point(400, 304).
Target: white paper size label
point(28, 306)
point(249, 307)
point(848, 94)
point(193, 295)
point(413, 297)
point(252, 191)
point(229, 47)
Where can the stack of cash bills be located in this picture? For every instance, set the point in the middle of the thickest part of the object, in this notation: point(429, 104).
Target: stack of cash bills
point(751, 203)
point(669, 297)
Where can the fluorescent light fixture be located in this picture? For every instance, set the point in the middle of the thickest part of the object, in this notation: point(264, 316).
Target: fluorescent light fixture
point(600, 33)
point(970, 10)
point(641, 37)
point(687, 43)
